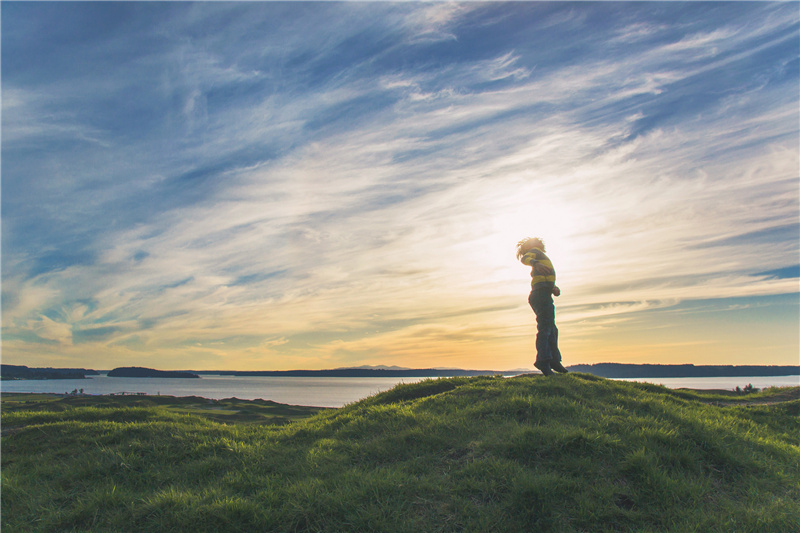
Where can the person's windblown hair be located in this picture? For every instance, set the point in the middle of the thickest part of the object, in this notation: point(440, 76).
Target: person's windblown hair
point(527, 244)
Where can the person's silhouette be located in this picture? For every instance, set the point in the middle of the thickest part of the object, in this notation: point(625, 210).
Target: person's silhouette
point(543, 287)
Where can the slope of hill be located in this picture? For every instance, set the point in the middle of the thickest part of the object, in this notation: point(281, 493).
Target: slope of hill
point(568, 453)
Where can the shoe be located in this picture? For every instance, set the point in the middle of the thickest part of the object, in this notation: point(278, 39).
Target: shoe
point(558, 367)
point(544, 366)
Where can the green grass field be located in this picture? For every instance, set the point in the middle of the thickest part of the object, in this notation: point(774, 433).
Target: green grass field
point(230, 410)
point(567, 453)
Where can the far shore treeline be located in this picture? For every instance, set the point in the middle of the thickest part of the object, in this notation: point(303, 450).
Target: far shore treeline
point(23, 372)
point(606, 370)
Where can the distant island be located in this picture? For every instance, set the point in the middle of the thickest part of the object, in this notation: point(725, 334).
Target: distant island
point(139, 372)
point(11, 372)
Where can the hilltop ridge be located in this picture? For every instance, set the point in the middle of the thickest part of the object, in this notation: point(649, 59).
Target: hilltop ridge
point(568, 453)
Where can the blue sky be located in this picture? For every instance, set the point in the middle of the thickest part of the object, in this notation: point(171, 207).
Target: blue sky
point(267, 185)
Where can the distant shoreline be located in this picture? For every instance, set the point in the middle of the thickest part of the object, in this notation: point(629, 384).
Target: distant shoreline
point(620, 370)
point(365, 372)
point(606, 370)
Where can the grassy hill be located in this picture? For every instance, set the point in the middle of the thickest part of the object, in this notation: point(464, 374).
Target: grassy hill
point(567, 453)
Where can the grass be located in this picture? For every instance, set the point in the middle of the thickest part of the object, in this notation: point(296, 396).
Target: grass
point(230, 410)
point(567, 453)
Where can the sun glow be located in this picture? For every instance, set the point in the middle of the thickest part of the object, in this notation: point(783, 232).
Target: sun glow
point(558, 225)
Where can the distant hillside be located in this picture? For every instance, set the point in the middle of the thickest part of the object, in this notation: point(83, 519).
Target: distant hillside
point(139, 372)
point(619, 370)
point(24, 372)
point(571, 453)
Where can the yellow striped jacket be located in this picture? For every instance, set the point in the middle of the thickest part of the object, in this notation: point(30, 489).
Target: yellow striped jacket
point(542, 272)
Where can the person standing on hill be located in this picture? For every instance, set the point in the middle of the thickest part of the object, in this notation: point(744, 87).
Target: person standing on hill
point(543, 287)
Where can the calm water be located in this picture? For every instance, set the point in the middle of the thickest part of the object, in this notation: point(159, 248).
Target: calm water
point(724, 383)
point(321, 392)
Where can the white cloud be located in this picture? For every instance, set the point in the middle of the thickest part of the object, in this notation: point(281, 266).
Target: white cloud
point(32, 117)
point(432, 22)
point(49, 329)
point(638, 31)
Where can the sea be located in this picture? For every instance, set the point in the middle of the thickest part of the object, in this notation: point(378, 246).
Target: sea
point(310, 391)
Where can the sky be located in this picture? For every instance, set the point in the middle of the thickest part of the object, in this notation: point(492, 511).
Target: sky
point(269, 186)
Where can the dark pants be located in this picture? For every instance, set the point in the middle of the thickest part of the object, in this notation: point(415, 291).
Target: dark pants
point(541, 301)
